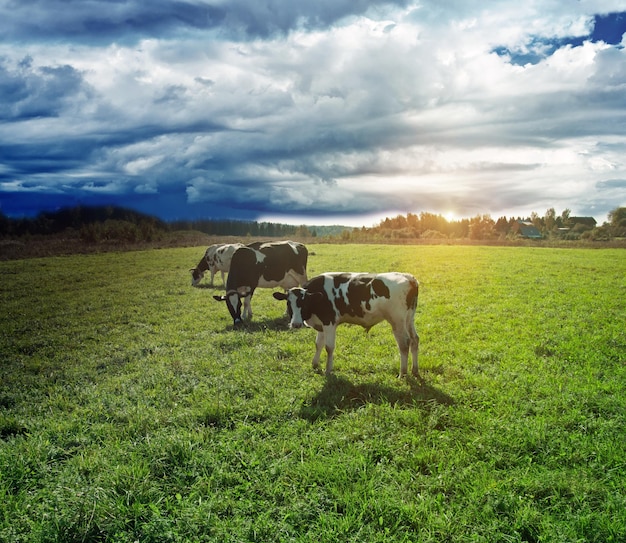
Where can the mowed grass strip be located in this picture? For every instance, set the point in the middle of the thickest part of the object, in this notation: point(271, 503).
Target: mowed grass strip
point(131, 410)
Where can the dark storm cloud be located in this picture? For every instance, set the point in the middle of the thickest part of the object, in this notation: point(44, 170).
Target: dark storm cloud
point(127, 21)
point(98, 20)
point(29, 92)
point(263, 18)
point(29, 159)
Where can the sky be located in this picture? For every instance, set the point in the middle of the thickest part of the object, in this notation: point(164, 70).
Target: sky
point(325, 112)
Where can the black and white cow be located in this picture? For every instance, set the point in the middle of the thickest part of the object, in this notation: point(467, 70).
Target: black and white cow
point(366, 299)
point(216, 258)
point(270, 265)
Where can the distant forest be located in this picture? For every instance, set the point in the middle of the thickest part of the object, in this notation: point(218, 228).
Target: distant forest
point(112, 224)
point(483, 227)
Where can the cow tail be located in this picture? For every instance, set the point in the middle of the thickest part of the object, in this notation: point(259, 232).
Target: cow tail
point(413, 294)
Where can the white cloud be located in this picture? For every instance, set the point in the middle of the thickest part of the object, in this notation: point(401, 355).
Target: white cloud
point(346, 109)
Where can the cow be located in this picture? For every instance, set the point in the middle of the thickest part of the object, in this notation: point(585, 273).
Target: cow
point(216, 258)
point(331, 299)
point(268, 265)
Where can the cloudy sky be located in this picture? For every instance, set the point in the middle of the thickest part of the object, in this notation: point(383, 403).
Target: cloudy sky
point(333, 111)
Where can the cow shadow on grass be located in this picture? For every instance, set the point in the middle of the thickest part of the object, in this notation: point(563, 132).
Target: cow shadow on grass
point(262, 324)
point(209, 286)
point(339, 395)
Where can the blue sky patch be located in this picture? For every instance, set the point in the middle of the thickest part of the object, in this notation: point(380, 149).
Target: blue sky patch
point(607, 28)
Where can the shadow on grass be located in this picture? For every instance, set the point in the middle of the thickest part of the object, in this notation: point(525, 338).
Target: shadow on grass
point(260, 325)
point(340, 395)
point(209, 286)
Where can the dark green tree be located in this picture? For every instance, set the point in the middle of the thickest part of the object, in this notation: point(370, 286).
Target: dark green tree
point(617, 217)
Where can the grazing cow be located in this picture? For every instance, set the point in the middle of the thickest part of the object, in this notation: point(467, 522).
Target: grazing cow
point(270, 265)
point(216, 258)
point(356, 298)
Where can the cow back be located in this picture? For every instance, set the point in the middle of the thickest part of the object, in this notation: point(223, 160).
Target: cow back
point(359, 298)
point(270, 265)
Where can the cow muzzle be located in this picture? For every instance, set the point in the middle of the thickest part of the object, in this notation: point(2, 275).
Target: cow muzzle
point(295, 325)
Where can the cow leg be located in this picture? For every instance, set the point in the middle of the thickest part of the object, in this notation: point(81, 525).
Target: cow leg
point(223, 282)
point(330, 333)
point(325, 338)
point(247, 307)
point(407, 339)
point(415, 345)
point(414, 342)
point(319, 344)
point(403, 345)
point(212, 276)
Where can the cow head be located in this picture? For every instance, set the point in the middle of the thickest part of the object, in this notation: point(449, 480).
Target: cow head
point(196, 276)
point(197, 273)
point(296, 301)
point(233, 303)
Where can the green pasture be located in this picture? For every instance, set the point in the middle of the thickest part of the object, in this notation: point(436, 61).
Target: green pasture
point(132, 411)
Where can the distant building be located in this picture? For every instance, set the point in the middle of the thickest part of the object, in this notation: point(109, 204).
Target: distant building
point(589, 222)
point(526, 229)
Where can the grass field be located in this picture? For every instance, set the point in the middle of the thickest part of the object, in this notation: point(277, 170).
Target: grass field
point(130, 410)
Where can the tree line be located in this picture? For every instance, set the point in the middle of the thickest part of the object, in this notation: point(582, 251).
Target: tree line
point(93, 224)
point(90, 223)
point(483, 227)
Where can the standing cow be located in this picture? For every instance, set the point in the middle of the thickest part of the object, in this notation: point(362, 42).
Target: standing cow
point(216, 258)
point(331, 299)
point(270, 265)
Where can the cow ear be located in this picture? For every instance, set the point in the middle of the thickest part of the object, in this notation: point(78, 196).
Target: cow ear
point(280, 295)
point(219, 298)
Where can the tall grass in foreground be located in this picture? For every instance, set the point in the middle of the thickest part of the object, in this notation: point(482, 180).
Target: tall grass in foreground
point(130, 410)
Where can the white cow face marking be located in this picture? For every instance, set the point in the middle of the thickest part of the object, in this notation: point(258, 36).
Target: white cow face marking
point(295, 299)
point(233, 303)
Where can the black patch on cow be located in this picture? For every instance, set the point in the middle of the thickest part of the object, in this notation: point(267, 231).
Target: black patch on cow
point(283, 258)
point(316, 302)
point(380, 288)
point(361, 291)
point(244, 272)
point(244, 269)
point(411, 297)
point(257, 244)
point(340, 279)
point(217, 256)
